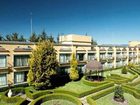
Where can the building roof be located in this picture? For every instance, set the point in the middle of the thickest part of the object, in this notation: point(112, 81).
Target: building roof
point(17, 42)
point(94, 65)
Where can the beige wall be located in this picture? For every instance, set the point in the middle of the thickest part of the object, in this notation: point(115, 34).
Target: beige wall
point(75, 39)
point(133, 43)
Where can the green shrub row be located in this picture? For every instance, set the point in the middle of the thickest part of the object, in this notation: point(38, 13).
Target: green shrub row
point(2, 89)
point(119, 79)
point(92, 99)
point(20, 102)
point(56, 96)
point(15, 98)
point(91, 83)
point(132, 72)
point(136, 71)
point(79, 95)
point(131, 91)
point(132, 88)
point(35, 94)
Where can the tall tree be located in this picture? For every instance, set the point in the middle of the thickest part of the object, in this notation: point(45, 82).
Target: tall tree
point(1, 38)
point(58, 38)
point(15, 37)
point(43, 64)
point(74, 75)
point(43, 36)
point(51, 38)
point(21, 38)
point(8, 37)
point(33, 38)
point(93, 42)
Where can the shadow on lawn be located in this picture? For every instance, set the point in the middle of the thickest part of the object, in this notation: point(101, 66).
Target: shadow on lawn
point(61, 80)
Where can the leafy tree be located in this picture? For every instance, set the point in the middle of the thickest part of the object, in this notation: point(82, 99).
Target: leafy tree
point(73, 70)
point(34, 38)
point(43, 64)
point(118, 94)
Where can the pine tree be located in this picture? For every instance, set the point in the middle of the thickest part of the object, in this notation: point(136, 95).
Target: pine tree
point(118, 93)
point(43, 36)
point(1, 37)
point(33, 38)
point(21, 38)
point(43, 64)
point(73, 70)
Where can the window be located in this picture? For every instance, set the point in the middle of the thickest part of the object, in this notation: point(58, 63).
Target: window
point(3, 79)
point(19, 77)
point(2, 61)
point(80, 57)
point(64, 58)
point(102, 56)
point(21, 60)
point(91, 57)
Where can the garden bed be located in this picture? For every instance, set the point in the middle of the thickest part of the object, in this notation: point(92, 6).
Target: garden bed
point(48, 99)
point(108, 100)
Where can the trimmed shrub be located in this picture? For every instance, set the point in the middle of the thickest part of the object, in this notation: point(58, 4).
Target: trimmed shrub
point(92, 83)
point(32, 94)
point(124, 70)
point(118, 94)
point(132, 91)
point(118, 79)
point(15, 96)
point(79, 95)
point(44, 98)
point(92, 99)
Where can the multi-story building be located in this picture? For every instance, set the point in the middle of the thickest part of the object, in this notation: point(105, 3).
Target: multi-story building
point(14, 56)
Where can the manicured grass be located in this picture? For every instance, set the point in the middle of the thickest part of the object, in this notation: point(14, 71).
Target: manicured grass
point(4, 103)
point(76, 87)
point(137, 86)
point(58, 102)
point(108, 100)
point(118, 71)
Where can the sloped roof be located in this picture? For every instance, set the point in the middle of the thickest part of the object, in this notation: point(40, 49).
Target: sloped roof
point(94, 65)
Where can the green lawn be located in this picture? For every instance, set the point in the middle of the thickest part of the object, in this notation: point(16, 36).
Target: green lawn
point(108, 100)
point(58, 102)
point(3, 103)
point(137, 86)
point(118, 71)
point(77, 87)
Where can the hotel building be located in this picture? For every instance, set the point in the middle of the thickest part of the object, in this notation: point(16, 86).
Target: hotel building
point(14, 56)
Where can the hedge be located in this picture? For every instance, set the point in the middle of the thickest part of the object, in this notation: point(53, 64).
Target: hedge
point(15, 98)
point(136, 71)
point(33, 95)
point(119, 79)
point(2, 89)
point(91, 83)
point(92, 99)
point(44, 98)
point(135, 93)
point(79, 95)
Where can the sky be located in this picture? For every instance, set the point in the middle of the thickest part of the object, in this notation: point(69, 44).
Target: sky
point(107, 21)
